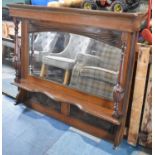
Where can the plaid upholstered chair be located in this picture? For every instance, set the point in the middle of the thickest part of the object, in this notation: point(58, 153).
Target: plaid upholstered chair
point(66, 59)
point(40, 44)
point(44, 43)
point(96, 72)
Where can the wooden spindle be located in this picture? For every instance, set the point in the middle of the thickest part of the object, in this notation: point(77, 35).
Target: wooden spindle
point(17, 62)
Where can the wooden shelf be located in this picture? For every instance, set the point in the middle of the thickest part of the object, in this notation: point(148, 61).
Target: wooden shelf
point(70, 96)
point(82, 125)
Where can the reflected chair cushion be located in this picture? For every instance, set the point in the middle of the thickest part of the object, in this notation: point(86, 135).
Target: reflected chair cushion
point(39, 55)
point(91, 86)
point(87, 59)
point(100, 74)
point(60, 62)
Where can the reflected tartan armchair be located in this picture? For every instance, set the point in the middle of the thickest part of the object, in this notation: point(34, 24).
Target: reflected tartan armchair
point(44, 43)
point(96, 72)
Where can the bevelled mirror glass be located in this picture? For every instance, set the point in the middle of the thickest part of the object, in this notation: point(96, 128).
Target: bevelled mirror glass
point(77, 61)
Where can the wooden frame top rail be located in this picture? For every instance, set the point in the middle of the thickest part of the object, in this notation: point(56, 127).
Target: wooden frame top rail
point(128, 22)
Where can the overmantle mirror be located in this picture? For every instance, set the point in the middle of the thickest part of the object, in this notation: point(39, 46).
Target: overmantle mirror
point(86, 63)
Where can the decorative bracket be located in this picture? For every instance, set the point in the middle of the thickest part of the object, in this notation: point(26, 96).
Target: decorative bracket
point(118, 91)
point(118, 94)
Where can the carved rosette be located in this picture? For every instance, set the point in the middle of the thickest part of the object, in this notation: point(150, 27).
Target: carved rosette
point(17, 61)
point(118, 91)
point(118, 94)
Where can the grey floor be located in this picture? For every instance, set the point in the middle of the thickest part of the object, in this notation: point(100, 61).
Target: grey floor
point(8, 75)
point(26, 132)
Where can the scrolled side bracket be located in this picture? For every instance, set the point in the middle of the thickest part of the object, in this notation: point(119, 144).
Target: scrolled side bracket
point(118, 90)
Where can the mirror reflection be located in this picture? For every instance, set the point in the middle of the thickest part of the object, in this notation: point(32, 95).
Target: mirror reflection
point(76, 61)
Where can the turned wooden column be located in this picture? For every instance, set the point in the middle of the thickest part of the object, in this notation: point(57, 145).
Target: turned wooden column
point(25, 48)
point(31, 64)
point(17, 62)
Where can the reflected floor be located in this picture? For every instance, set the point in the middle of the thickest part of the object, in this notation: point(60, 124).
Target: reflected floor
point(53, 74)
